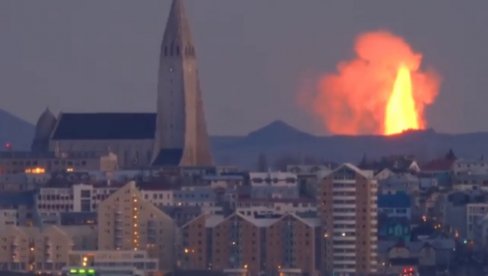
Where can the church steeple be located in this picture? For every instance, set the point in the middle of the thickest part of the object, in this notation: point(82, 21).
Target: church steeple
point(181, 134)
point(177, 27)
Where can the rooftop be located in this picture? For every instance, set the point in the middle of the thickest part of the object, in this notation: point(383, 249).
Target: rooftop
point(105, 126)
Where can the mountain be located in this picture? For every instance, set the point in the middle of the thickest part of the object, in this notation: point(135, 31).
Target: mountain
point(15, 131)
point(279, 140)
point(278, 132)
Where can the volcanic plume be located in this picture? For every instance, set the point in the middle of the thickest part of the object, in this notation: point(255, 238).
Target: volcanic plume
point(383, 90)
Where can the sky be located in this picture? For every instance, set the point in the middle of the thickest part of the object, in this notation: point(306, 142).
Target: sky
point(254, 55)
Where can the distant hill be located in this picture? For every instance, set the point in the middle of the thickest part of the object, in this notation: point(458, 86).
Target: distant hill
point(16, 131)
point(280, 140)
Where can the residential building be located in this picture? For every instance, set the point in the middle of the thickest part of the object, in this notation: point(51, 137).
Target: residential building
point(274, 185)
point(348, 212)
point(196, 243)
point(395, 205)
point(470, 166)
point(394, 216)
point(53, 201)
point(128, 222)
point(32, 249)
point(159, 197)
point(237, 243)
point(22, 203)
point(293, 245)
point(406, 182)
point(252, 207)
point(475, 212)
point(9, 217)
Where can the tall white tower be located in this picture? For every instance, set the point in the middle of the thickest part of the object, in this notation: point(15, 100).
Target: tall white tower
point(181, 134)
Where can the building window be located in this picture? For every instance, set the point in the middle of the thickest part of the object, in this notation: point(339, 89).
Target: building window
point(85, 194)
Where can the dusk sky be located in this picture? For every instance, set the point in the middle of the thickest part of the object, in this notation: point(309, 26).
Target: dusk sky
point(254, 55)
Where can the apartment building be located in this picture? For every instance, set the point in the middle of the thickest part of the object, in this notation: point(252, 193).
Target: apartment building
point(475, 213)
point(274, 185)
point(39, 250)
point(128, 222)
point(52, 201)
point(252, 245)
point(293, 246)
point(348, 210)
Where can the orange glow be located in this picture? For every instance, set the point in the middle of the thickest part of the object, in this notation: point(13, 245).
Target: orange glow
point(37, 170)
point(401, 113)
point(382, 90)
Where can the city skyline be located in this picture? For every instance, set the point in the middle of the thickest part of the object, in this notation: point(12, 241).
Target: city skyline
point(65, 60)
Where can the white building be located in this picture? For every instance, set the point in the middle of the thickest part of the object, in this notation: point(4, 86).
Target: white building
point(274, 185)
point(158, 197)
point(52, 201)
point(253, 207)
point(9, 217)
point(475, 212)
point(466, 166)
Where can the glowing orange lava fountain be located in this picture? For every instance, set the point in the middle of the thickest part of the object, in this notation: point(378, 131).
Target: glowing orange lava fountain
point(382, 90)
point(401, 114)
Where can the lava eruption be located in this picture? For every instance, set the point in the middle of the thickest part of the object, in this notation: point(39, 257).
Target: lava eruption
point(382, 90)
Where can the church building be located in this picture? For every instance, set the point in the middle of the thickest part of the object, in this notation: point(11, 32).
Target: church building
point(175, 135)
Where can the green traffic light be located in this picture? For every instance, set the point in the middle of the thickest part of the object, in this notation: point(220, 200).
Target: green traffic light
point(73, 271)
point(81, 271)
point(91, 271)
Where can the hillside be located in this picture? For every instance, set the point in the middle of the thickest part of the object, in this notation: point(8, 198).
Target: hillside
point(15, 131)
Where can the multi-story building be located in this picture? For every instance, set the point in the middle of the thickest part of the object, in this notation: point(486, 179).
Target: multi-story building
point(128, 222)
point(274, 185)
point(293, 246)
point(252, 245)
point(394, 216)
point(40, 250)
point(308, 177)
point(20, 203)
point(9, 217)
point(467, 182)
point(405, 182)
point(475, 212)
point(52, 201)
point(223, 181)
point(12, 162)
point(159, 197)
point(348, 211)
point(233, 244)
point(466, 166)
point(252, 207)
point(237, 243)
point(25, 181)
point(194, 253)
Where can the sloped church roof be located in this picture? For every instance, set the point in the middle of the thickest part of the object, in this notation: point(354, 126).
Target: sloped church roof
point(105, 126)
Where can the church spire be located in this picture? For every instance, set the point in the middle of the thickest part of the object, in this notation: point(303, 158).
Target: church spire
point(177, 35)
point(181, 133)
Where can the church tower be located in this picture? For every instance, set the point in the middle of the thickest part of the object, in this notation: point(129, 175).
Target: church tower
point(181, 134)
